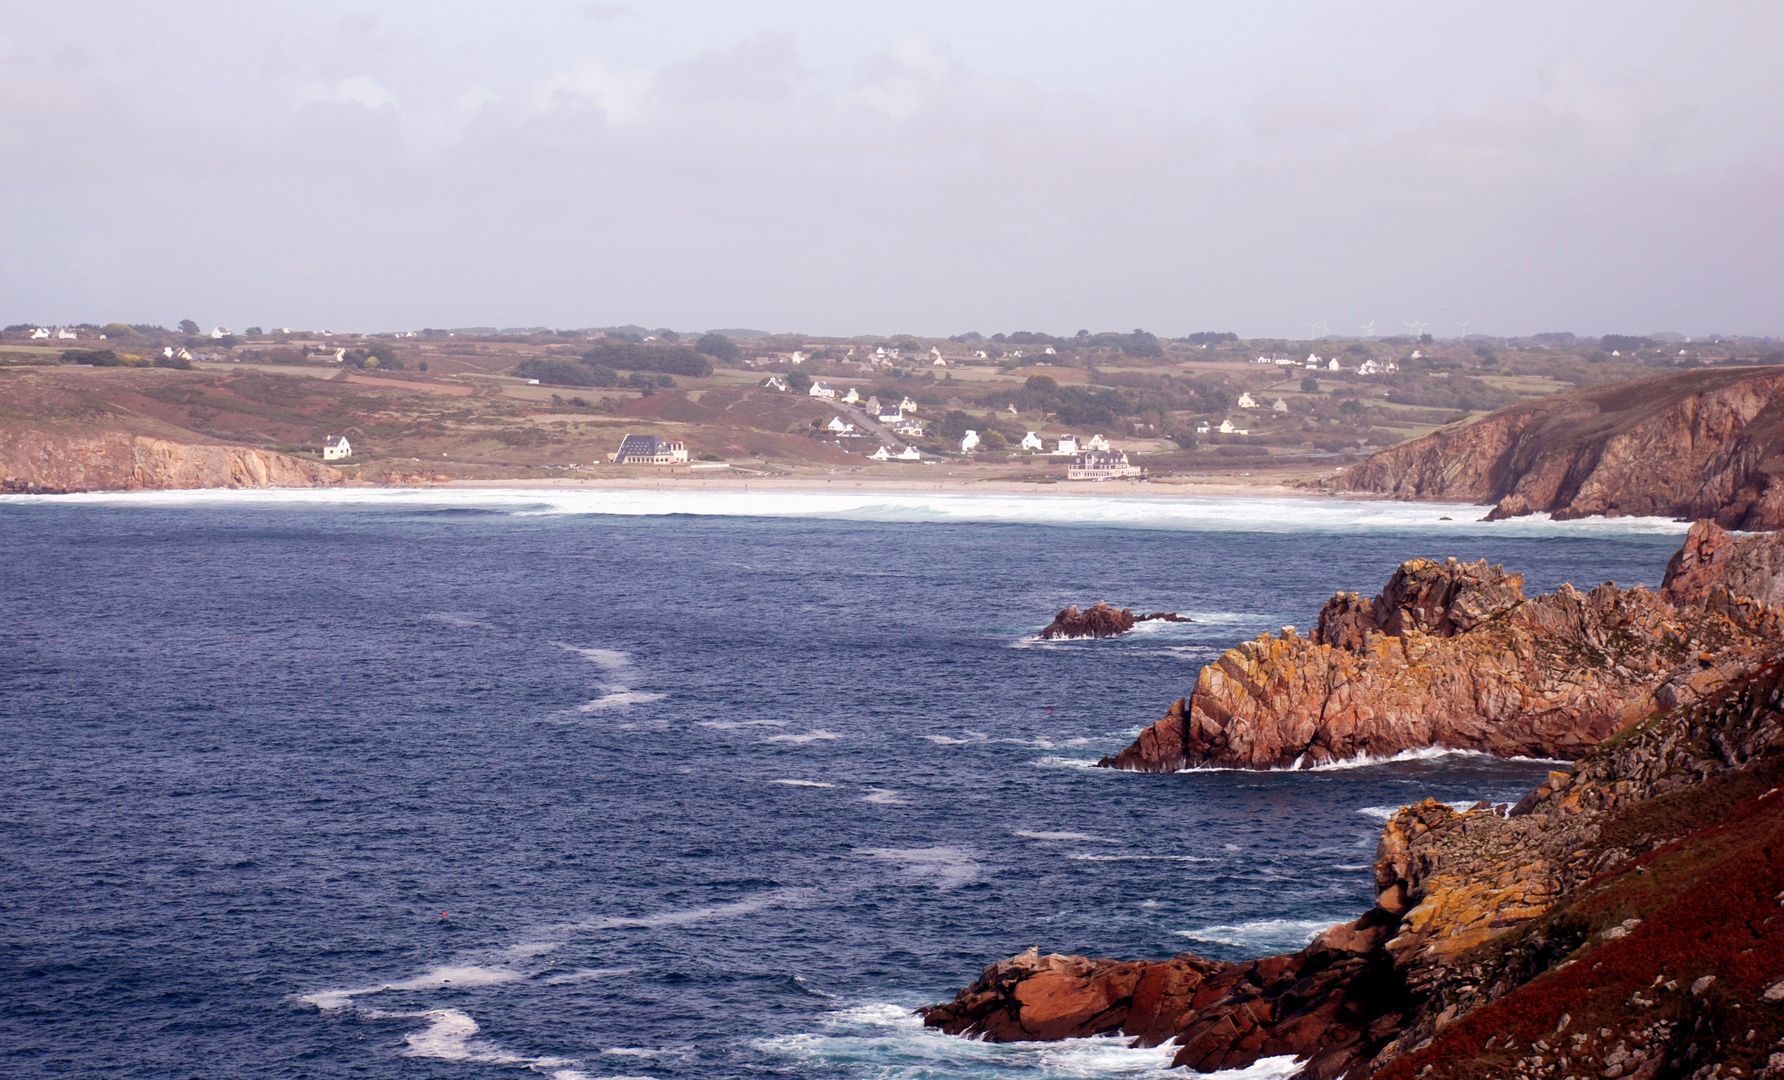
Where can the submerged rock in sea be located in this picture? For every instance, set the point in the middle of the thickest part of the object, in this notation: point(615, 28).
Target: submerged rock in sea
point(1621, 921)
point(1101, 620)
point(1453, 655)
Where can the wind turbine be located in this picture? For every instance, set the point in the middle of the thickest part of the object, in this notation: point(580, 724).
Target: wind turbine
point(1369, 329)
point(1412, 326)
point(1464, 326)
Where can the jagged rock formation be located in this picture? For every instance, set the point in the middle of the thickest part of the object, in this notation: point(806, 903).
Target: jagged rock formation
point(1698, 444)
point(45, 462)
point(1625, 919)
point(1101, 620)
point(1750, 566)
point(1452, 655)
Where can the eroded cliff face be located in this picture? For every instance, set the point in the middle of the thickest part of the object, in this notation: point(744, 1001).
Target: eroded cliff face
point(1623, 920)
point(1688, 445)
point(47, 462)
point(1452, 655)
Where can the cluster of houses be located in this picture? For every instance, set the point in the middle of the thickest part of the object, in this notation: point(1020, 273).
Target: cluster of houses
point(61, 333)
point(1314, 363)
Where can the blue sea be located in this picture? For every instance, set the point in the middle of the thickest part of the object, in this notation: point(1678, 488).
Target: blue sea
point(584, 784)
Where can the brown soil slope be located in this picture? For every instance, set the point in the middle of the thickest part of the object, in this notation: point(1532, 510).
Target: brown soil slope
point(1697, 444)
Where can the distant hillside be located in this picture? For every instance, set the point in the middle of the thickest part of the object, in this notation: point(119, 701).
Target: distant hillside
point(1695, 444)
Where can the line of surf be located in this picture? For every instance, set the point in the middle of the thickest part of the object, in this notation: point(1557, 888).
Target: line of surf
point(1188, 513)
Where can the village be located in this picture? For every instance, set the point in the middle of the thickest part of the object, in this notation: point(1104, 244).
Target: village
point(480, 403)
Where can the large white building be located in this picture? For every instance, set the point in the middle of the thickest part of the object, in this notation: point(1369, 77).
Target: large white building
point(650, 450)
point(1102, 465)
point(336, 447)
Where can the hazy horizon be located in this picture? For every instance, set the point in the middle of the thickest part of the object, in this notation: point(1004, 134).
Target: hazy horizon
point(921, 167)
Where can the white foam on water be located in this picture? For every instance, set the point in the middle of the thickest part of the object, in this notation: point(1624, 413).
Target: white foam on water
point(1078, 836)
point(801, 740)
point(1087, 857)
point(880, 796)
point(618, 699)
point(1053, 761)
point(451, 1035)
point(946, 867)
point(461, 977)
point(802, 783)
point(687, 916)
point(1261, 934)
point(1188, 513)
point(608, 659)
point(887, 1041)
point(1370, 761)
point(1353, 866)
point(949, 740)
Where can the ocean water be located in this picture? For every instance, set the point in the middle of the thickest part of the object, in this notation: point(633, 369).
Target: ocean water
point(453, 784)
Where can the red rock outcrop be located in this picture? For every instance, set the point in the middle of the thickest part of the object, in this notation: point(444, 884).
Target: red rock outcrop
point(1452, 655)
point(1697, 444)
point(1750, 566)
point(1620, 921)
point(1101, 620)
point(33, 460)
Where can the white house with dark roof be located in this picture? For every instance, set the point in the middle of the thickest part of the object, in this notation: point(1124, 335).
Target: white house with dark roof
point(1102, 465)
point(1067, 445)
point(336, 447)
point(1032, 441)
point(969, 442)
point(851, 397)
point(1097, 442)
point(650, 450)
point(823, 390)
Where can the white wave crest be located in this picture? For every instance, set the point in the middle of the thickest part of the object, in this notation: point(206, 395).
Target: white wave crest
point(1261, 934)
point(802, 783)
point(1369, 761)
point(880, 796)
point(618, 699)
point(1163, 510)
point(887, 1041)
point(801, 740)
point(1053, 761)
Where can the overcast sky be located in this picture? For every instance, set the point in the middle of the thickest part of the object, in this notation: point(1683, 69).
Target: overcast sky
point(923, 167)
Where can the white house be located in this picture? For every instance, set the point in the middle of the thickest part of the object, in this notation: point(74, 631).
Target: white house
point(1280, 406)
point(909, 428)
point(39, 334)
point(1102, 465)
point(823, 390)
point(1068, 444)
point(851, 397)
point(1050, 351)
point(66, 335)
point(881, 351)
point(909, 453)
point(907, 405)
point(336, 447)
point(1203, 428)
point(881, 454)
point(220, 331)
point(775, 382)
point(981, 355)
point(1333, 366)
point(1312, 360)
point(1031, 441)
point(969, 442)
point(650, 450)
point(1246, 402)
point(938, 362)
point(837, 424)
point(1227, 428)
point(1097, 442)
point(887, 414)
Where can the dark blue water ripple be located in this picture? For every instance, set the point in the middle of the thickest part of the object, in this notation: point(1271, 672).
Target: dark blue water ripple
point(669, 797)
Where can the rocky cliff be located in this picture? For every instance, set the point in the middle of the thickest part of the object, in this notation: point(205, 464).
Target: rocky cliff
point(1453, 655)
point(33, 460)
point(1625, 919)
point(1697, 444)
